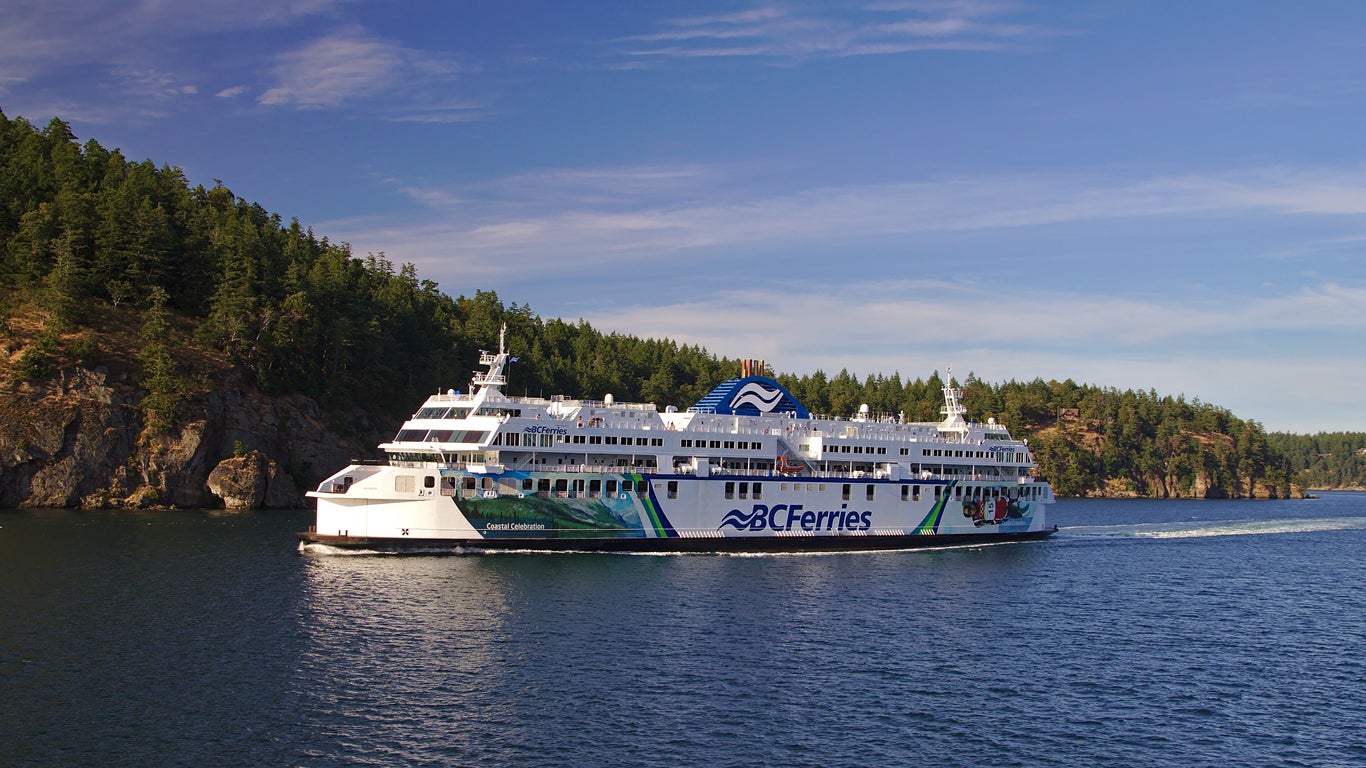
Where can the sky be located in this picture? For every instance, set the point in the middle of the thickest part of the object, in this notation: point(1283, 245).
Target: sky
point(1140, 195)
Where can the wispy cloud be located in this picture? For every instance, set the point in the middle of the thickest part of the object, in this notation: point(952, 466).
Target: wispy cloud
point(914, 327)
point(38, 37)
point(348, 66)
point(786, 32)
point(622, 217)
point(335, 69)
point(140, 54)
point(126, 60)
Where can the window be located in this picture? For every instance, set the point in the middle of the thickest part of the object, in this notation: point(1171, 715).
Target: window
point(595, 439)
point(642, 487)
point(869, 492)
point(744, 490)
point(611, 487)
point(915, 493)
point(844, 493)
point(758, 490)
point(429, 481)
point(403, 483)
point(905, 492)
point(730, 490)
point(594, 487)
point(673, 489)
point(526, 484)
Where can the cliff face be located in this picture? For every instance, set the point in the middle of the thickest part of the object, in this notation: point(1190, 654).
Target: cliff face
point(79, 441)
point(1203, 487)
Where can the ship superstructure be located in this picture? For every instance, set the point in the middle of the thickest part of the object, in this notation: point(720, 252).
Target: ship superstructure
point(746, 468)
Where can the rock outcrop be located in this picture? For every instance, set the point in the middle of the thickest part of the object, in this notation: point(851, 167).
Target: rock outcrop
point(79, 441)
point(250, 482)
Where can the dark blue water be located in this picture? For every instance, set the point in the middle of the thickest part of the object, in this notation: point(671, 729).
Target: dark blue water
point(1144, 633)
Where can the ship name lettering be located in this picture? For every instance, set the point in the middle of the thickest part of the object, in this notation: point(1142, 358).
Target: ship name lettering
point(793, 517)
point(539, 430)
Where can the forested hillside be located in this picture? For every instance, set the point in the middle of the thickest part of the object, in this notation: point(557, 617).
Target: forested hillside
point(1325, 460)
point(201, 281)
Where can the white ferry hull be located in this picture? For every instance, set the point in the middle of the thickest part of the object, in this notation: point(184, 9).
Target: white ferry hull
point(402, 509)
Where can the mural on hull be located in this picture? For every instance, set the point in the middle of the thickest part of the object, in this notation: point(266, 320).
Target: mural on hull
point(559, 514)
point(1009, 515)
point(628, 514)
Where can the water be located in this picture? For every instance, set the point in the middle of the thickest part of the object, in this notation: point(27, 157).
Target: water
point(1144, 633)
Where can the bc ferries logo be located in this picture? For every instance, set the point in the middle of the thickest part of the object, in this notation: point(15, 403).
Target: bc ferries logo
point(791, 517)
point(755, 394)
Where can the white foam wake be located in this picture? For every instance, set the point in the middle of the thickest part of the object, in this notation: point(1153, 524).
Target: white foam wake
point(1204, 528)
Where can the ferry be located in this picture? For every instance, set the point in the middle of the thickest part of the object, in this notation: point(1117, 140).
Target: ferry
point(746, 469)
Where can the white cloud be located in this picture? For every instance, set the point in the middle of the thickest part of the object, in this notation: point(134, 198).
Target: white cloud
point(628, 215)
point(125, 60)
point(348, 66)
point(917, 327)
point(781, 32)
point(334, 69)
point(40, 36)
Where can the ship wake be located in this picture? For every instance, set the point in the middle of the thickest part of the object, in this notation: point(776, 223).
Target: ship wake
point(1208, 528)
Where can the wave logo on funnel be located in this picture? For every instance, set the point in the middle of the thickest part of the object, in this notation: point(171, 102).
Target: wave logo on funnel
point(754, 394)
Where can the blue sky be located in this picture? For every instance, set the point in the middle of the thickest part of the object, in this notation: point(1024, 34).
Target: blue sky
point(1131, 194)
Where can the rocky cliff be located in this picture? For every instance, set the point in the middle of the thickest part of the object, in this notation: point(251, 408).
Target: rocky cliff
point(78, 440)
